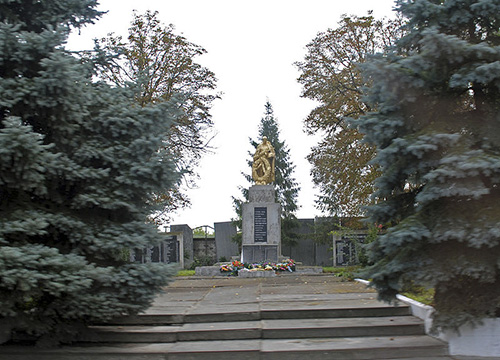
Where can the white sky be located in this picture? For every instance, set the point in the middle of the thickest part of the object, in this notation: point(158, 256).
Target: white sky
point(251, 46)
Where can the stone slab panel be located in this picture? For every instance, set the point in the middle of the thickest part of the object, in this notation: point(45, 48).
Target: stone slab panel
point(260, 253)
point(256, 274)
point(353, 348)
point(225, 246)
point(261, 194)
point(273, 223)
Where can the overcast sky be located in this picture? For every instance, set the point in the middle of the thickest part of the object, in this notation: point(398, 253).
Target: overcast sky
point(251, 46)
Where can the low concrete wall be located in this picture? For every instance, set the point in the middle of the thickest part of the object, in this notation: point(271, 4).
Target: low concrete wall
point(225, 246)
point(203, 248)
point(209, 271)
point(187, 239)
point(307, 251)
point(423, 312)
point(480, 341)
point(483, 340)
point(256, 274)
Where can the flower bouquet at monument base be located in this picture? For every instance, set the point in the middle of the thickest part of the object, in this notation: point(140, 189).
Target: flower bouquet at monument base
point(235, 266)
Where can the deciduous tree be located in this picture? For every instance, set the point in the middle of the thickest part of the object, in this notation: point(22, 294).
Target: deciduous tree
point(164, 63)
point(341, 166)
point(437, 137)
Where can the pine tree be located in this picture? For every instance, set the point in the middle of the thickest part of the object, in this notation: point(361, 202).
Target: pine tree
point(79, 162)
point(437, 134)
point(285, 185)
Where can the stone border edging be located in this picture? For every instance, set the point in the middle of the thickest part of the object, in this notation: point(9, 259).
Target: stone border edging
point(482, 341)
point(422, 311)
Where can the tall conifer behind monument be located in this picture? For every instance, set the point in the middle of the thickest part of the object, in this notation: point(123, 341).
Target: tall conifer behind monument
point(437, 133)
point(285, 185)
point(79, 161)
point(261, 214)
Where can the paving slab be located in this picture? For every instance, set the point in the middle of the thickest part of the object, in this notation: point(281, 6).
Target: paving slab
point(132, 334)
point(317, 297)
point(220, 331)
point(225, 349)
point(324, 304)
point(111, 352)
point(256, 274)
point(341, 348)
point(341, 327)
point(230, 295)
point(181, 294)
point(220, 308)
point(210, 312)
point(167, 309)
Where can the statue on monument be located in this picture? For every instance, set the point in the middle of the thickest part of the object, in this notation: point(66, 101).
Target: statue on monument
point(263, 163)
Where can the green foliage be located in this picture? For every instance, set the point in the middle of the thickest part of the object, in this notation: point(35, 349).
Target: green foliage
point(203, 232)
point(285, 185)
point(185, 273)
point(324, 228)
point(201, 261)
point(438, 146)
point(347, 273)
point(79, 162)
point(418, 293)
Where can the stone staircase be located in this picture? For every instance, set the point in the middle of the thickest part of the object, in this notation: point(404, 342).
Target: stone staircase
point(295, 317)
point(382, 332)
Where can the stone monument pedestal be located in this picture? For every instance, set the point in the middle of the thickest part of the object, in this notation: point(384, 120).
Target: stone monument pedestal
point(261, 230)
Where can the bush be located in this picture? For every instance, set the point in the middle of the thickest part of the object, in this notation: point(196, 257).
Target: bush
point(202, 261)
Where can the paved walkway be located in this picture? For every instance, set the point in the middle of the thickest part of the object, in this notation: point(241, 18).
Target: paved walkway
point(192, 295)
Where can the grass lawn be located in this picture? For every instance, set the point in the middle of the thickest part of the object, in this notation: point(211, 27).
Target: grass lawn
point(420, 294)
point(347, 273)
point(417, 293)
point(185, 273)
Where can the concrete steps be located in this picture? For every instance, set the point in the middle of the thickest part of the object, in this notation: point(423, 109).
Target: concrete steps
point(382, 348)
point(265, 313)
point(264, 329)
point(381, 332)
point(286, 318)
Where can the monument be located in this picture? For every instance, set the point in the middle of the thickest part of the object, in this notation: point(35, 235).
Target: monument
point(261, 215)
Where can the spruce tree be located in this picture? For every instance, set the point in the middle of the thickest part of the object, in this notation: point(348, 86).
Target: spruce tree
point(79, 162)
point(285, 185)
point(437, 134)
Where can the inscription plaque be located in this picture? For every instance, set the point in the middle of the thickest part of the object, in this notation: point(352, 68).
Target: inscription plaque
point(171, 249)
point(260, 224)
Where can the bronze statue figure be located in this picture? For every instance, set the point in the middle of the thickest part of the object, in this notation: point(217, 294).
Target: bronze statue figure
point(263, 163)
